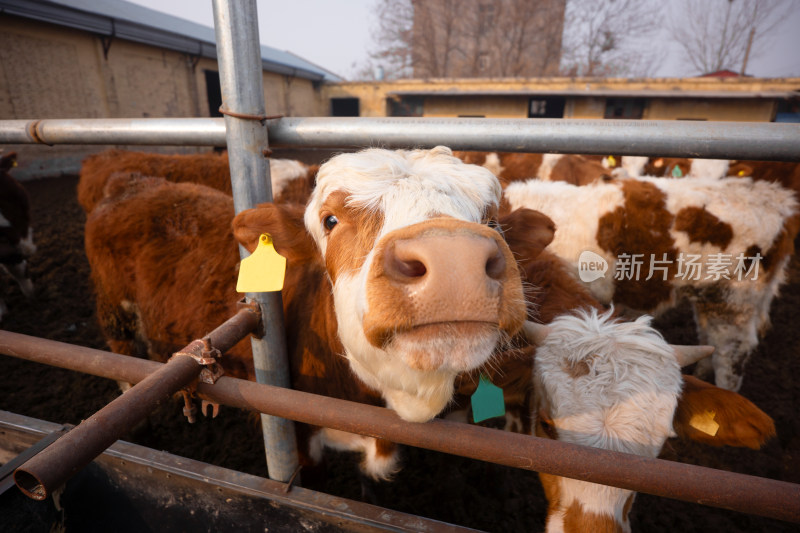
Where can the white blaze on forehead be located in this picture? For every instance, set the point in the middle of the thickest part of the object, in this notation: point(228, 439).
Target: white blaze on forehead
point(407, 187)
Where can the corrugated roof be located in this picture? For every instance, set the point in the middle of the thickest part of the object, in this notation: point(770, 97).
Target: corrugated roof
point(133, 22)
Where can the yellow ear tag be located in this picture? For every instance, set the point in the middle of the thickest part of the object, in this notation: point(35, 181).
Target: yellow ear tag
point(264, 270)
point(741, 173)
point(705, 422)
point(611, 161)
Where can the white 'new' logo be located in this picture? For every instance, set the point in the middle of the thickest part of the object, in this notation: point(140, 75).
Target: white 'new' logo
point(591, 266)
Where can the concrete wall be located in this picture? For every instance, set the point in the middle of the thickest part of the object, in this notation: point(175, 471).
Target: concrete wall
point(48, 71)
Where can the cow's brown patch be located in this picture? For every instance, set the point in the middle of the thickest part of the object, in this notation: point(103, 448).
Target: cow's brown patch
point(641, 227)
point(703, 227)
point(577, 369)
point(384, 448)
point(518, 167)
point(352, 238)
point(578, 520)
point(578, 170)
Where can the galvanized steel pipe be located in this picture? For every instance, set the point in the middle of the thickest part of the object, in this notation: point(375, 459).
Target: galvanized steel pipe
point(738, 492)
point(52, 467)
point(240, 69)
point(715, 140)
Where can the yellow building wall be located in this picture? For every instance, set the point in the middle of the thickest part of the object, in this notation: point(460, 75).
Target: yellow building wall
point(733, 109)
point(476, 106)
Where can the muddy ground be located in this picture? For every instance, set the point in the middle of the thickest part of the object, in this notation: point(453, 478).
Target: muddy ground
point(452, 489)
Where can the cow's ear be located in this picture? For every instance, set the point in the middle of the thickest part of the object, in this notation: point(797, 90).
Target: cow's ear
point(284, 223)
point(527, 233)
point(720, 417)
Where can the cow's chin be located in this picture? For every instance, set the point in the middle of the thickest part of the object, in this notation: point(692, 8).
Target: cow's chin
point(445, 346)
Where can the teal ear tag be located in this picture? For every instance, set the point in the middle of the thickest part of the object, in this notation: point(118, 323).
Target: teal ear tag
point(487, 401)
point(677, 172)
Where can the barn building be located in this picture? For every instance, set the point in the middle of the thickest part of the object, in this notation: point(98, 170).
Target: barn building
point(115, 59)
point(702, 98)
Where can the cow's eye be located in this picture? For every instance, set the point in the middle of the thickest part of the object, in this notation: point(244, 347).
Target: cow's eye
point(495, 225)
point(329, 222)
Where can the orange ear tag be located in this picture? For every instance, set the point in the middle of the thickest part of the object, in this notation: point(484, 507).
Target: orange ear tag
point(705, 422)
point(264, 270)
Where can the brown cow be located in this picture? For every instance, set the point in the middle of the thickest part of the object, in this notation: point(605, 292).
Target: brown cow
point(292, 180)
point(16, 233)
point(395, 268)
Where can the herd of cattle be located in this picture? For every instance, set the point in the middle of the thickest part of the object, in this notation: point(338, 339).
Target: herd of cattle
point(413, 274)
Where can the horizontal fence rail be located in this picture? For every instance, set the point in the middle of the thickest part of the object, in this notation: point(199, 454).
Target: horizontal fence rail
point(711, 140)
point(738, 492)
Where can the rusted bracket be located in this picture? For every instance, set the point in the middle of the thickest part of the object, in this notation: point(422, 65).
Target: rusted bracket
point(258, 331)
point(208, 357)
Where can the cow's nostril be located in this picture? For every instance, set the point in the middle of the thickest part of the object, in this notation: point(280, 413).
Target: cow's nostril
point(410, 269)
point(496, 265)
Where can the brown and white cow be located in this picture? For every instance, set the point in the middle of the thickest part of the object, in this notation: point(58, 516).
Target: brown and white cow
point(16, 233)
point(291, 180)
point(605, 382)
point(721, 244)
point(394, 265)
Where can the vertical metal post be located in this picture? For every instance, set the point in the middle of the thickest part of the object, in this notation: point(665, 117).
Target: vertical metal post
point(241, 80)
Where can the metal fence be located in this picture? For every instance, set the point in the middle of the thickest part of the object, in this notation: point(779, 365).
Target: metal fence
point(247, 134)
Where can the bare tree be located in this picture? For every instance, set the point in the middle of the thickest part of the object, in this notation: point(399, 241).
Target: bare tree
point(392, 56)
point(604, 38)
point(724, 34)
point(467, 38)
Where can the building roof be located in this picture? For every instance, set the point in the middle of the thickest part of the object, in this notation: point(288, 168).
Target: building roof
point(725, 73)
point(132, 22)
point(604, 93)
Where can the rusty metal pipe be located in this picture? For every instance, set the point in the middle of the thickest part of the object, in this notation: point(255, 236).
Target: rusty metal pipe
point(707, 486)
point(727, 490)
point(52, 467)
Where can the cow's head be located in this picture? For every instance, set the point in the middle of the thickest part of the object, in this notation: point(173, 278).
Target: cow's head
point(607, 384)
point(617, 385)
point(424, 285)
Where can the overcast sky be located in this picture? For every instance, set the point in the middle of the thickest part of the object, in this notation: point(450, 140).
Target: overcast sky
point(335, 34)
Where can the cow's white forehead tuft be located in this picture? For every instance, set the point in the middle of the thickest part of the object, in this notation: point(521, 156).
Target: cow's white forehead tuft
point(405, 186)
point(609, 384)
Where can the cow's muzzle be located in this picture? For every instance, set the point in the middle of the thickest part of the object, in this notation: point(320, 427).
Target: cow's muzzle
point(443, 292)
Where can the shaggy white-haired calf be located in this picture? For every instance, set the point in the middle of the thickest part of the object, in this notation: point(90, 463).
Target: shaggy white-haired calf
point(607, 384)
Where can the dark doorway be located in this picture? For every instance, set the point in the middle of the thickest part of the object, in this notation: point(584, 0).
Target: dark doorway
point(345, 107)
point(546, 107)
point(214, 93)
